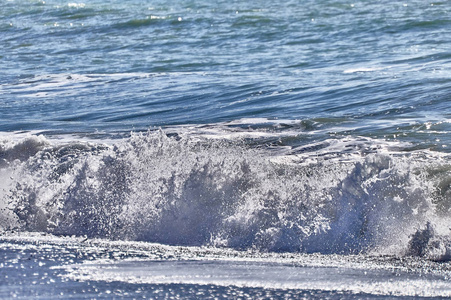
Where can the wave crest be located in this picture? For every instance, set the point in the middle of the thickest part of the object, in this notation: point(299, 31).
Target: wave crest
point(183, 190)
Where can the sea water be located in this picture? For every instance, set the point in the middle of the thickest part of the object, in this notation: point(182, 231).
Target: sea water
point(201, 149)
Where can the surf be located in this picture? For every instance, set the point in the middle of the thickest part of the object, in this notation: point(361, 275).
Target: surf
point(341, 196)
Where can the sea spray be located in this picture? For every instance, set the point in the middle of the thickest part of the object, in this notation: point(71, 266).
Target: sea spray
point(181, 189)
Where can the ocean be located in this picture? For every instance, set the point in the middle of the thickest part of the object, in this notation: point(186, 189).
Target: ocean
point(225, 149)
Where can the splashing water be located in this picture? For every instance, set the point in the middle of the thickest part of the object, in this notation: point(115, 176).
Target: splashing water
point(183, 190)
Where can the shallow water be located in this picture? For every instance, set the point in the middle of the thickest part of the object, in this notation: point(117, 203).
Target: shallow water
point(43, 266)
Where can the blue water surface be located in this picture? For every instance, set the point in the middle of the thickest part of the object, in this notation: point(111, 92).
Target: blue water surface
point(379, 69)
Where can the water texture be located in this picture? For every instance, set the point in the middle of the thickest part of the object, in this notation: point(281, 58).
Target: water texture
point(314, 126)
point(231, 149)
point(374, 69)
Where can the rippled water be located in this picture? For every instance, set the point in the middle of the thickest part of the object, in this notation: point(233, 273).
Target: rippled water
point(376, 69)
point(300, 127)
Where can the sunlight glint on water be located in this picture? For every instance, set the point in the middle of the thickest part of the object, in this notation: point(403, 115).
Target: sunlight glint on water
point(317, 130)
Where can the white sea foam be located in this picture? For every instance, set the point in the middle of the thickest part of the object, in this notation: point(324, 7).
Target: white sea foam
point(337, 196)
point(363, 69)
point(102, 263)
point(267, 275)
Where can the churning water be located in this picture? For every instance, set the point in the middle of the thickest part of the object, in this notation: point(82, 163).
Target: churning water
point(271, 127)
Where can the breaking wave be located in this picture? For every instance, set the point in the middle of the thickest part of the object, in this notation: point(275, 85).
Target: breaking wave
point(339, 196)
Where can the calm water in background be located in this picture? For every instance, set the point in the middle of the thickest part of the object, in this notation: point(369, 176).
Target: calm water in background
point(297, 126)
point(377, 69)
